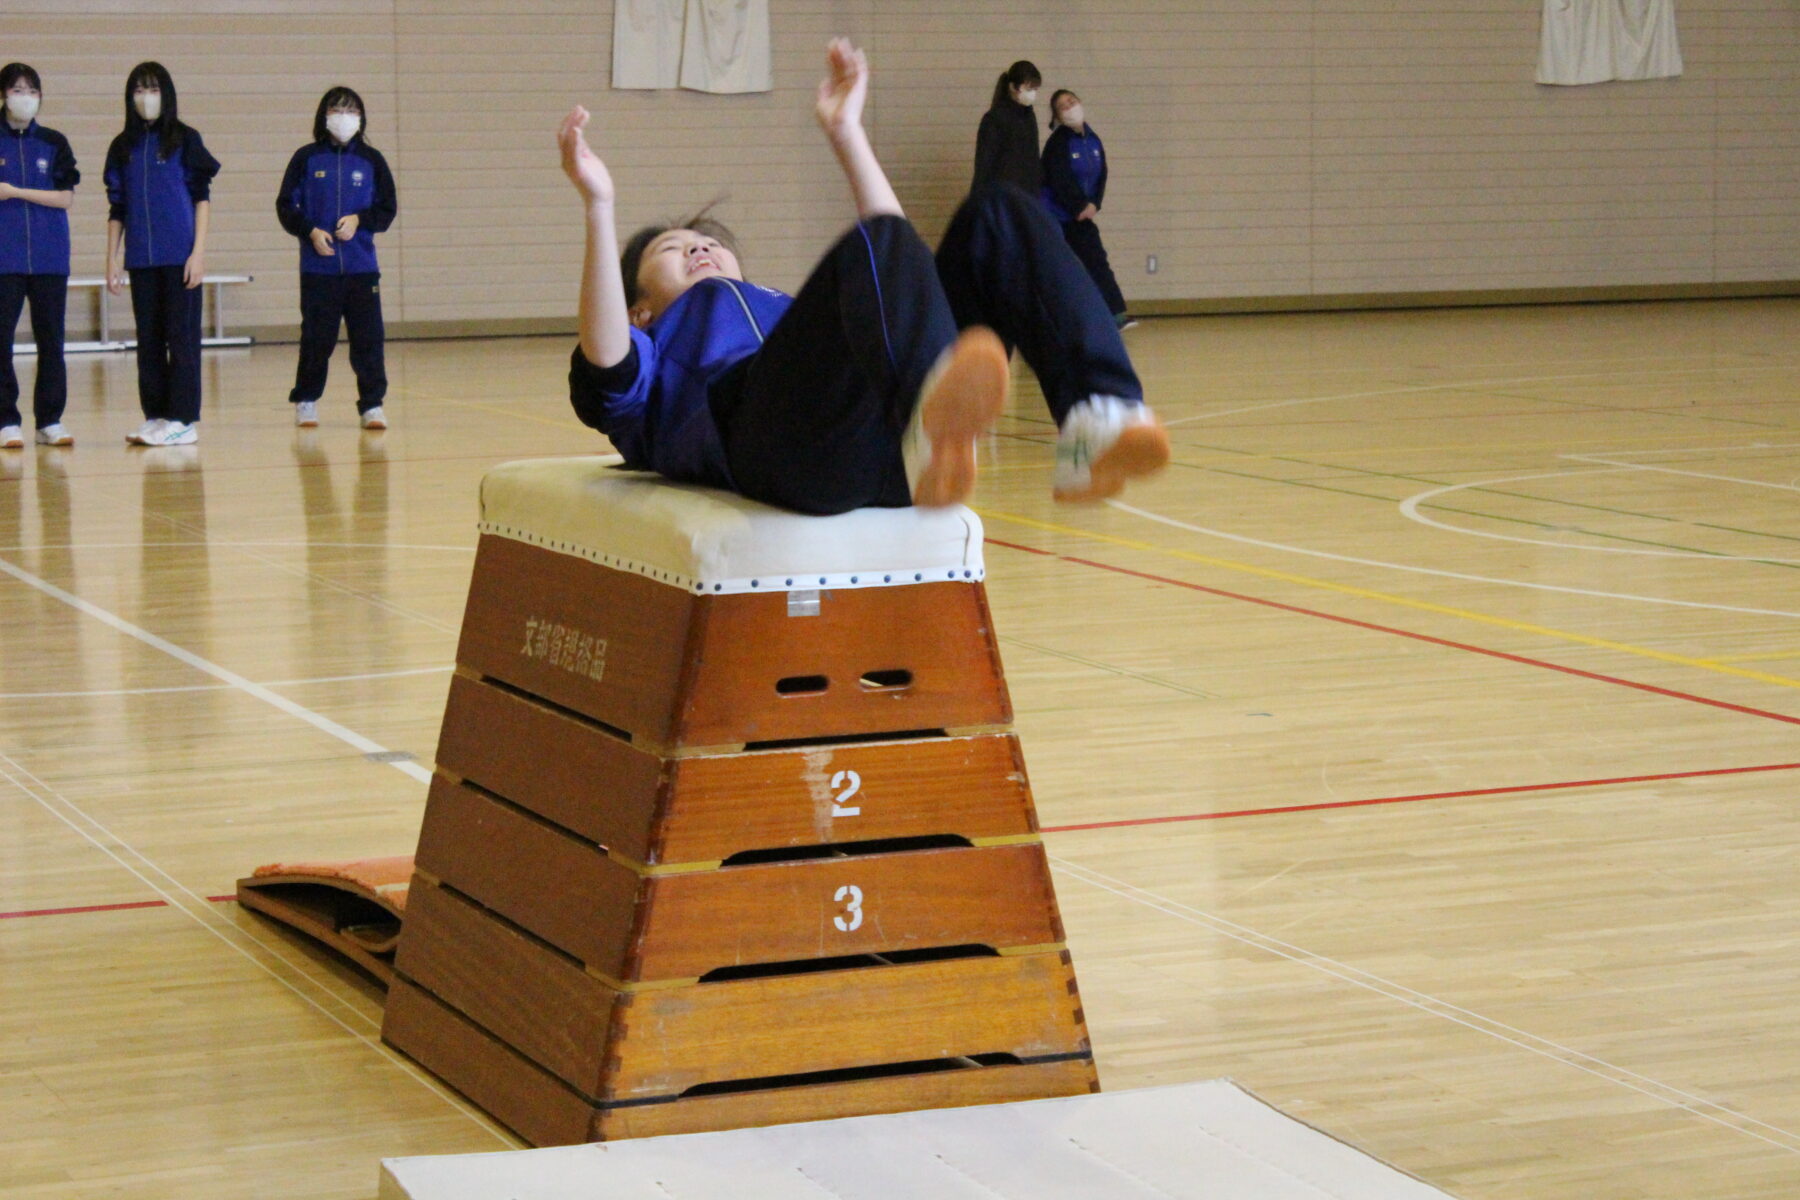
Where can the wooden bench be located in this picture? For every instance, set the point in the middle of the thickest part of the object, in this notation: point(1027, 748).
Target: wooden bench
point(106, 341)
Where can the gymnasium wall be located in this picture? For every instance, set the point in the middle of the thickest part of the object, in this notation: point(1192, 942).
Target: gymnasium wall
point(1268, 152)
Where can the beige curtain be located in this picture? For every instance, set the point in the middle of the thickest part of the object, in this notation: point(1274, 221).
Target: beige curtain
point(704, 45)
point(1592, 41)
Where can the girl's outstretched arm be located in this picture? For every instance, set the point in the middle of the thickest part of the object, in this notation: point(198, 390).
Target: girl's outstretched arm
point(605, 325)
point(839, 108)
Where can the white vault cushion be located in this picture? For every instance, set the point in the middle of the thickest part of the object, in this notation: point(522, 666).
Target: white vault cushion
point(710, 541)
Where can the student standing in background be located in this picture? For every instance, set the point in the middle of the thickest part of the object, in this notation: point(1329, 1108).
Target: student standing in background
point(37, 186)
point(336, 196)
point(1006, 146)
point(159, 182)
point(1074, 189)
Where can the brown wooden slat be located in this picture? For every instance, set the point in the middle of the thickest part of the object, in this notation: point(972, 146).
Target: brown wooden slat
point(541, 1110)
point(996, 896)
point(645, 624)
point(827, 1101)
point(539, 1003)
point(941, 632)
point(560, 889)
point(972, 786)
point(685, 671)
point(524, 1098)
point(705, 808)
point(672, 1039)
point(631, 927)
point(563, 769)
point(609, 1045)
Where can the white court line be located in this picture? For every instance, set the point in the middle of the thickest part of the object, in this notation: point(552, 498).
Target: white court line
point(1591, 458)
point(1626, 453)
point(12, 771)
point(1409, 508)
point(226, 687)
point(1453, 385)
point(317, 721)
point(287, 543)
point(1698, 1106)
point(1391, 566)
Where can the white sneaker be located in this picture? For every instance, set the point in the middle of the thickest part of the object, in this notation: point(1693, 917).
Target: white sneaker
point(959, 401)
point(306, 414)
point(173, 433)
point(55, 435)
point(374, 418)
point(1104, 442)
point(12, 438)
point(142, 434)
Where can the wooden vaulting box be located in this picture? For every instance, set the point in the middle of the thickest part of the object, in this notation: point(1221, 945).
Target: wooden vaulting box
point(728, 826)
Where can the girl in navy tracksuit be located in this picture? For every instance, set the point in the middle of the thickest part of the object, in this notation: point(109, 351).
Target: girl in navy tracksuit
point(336, 196)
point(1074, 189)
point(159, 182)
point(859, 391)
point(37, 185)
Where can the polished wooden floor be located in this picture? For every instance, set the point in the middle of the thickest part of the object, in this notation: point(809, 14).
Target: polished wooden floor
point(1420, 750)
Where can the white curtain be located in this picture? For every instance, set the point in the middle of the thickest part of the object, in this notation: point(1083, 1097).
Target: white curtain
point(705, 45)
point(1591, 41)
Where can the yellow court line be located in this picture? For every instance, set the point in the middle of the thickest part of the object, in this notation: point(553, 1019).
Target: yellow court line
point(1737, 658)
point(1704, 664)
point(1622, 445)
point(491, 408)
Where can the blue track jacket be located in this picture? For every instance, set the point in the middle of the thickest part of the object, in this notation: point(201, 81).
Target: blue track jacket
point(154, 196)
point(1074, 172)
point(655, 405)
point(326, 182)
point(34, 238)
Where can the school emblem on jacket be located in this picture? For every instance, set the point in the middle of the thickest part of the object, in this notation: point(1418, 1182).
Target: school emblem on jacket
point(43, 166)
point(356, 178)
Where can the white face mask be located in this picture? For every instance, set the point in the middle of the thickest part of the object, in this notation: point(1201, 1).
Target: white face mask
point(1074, 118)
point(343, 126)
point(148, 105)
point(21, 106)
point(1028, 96)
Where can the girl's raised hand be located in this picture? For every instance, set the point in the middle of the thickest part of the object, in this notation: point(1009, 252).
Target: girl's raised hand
point(843, 90)
point(580, 163)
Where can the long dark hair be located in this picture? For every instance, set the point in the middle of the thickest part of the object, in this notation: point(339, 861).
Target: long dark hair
point(12, 72)
point(168, 126)
point(340, 97)
point(632, 257)
point(1016, 76)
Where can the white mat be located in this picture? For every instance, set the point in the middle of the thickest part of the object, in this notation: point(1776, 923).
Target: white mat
point(1210, 1140)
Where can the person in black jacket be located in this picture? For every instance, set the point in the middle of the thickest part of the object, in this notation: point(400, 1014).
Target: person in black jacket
point(1006, 147)
point(1075, 188)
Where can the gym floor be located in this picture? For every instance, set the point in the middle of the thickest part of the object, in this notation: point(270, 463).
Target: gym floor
point(1418, 751)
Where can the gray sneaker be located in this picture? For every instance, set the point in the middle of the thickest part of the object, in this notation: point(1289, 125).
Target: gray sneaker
point(306, 414)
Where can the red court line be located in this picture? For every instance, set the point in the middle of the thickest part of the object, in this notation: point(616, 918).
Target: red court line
point(1417, 637)
point(88, 908)
point(84, 908)
point(1497, 791)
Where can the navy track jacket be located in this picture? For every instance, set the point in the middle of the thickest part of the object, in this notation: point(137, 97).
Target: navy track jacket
point(34, 238)
point(326, 182)
point(655, 406)
point(1074, 172)
point(154, 196)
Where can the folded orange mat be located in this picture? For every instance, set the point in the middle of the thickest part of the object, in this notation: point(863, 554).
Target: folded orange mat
point(354, 906)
